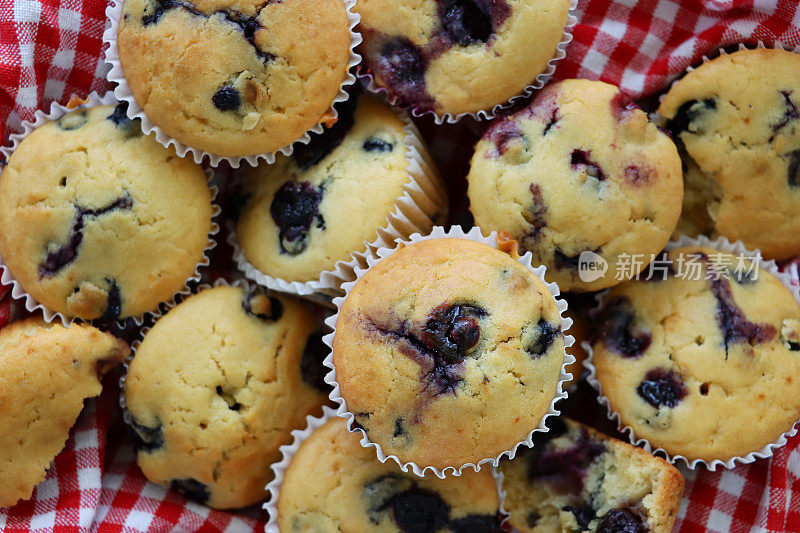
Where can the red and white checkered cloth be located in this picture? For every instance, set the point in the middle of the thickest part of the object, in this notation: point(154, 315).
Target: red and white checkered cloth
point(50, 50)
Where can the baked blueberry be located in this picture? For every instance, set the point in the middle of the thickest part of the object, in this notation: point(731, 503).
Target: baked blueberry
point(621, 521)
point(145, 438)
point(790, 113)
point(535, 215)
point(419, 511)
point(476, 524)
point(114, 302)
point(584, 514)
point(793, 168)
point(615, 326)
point(227, 98)
point(192, 488)
point(294, 208)
point(374, 144)
point(541, 337)
point(261, 306)
point(402, 66)
point(120, 115)
point(687, 114)
point(502, 133)
point(60, 257)
point(72, 121)
point(661, 387)
point(581, 161)
point(452, 331)
point(566, 468)
point(465, 22)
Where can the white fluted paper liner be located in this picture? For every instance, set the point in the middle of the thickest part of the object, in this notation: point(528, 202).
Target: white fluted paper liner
point(423, 200)
point(656, 117)
point(289, 450)
point(474, 235)
point(124, 93)
point(18, 292)
point(485, 114)
point(721, 244)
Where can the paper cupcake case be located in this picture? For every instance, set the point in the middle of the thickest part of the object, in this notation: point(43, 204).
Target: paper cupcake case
point(721, 244)
point(422, 202)
point(474, 235)
point(484, 114)
point(289, 450)
point(124, 93)
point(19, 293)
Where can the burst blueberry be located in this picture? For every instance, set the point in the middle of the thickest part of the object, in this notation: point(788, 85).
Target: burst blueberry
point(661, 387)
point(294, 208)
point(226, 98)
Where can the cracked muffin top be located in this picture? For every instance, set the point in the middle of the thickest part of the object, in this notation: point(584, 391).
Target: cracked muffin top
point(736, 120)
point(690, 361)
point(458, 56)
point(100, 221)
point(46, 372)
point(217, 386)
point(233, 78)
point(448, 352)
point(579, 171)
point(334, 485)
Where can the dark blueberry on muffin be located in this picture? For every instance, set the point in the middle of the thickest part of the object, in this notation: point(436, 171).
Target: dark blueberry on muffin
point(688, 113)
point(581, 161)
point(476, 524)
point(793, 168)
point(64, 255)
point(452, 331)
point(373, 144)
point(621, 521)
point(790, 113)
point(661, 387)
point(262, 306)
point(227, 98)
point(583, 514)
point(419, 510)
point(615, 327)
point(403, 66)
point(146, 438)
point(294, 208)
point(541, 338)
point(192, 488)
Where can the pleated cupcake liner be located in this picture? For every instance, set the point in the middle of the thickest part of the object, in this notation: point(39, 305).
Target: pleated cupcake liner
point(720, 244)
point(474, 235)
point(288, 452)
point(123, 92)
point(423, 200)
point(18, 292)
point(484, 114)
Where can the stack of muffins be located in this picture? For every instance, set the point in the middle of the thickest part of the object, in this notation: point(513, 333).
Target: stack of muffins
point(364, 368)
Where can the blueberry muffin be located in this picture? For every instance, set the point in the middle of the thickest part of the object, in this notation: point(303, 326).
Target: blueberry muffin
point(235, 79)
point(579, 177)
point(577, 479)
point(690, 362)
point(448, 352)
point(217, 386)
point(335, 485)
point(98, 220)
point(458, 56)
point(328, 199)
point(46, 372)
point(736, 120)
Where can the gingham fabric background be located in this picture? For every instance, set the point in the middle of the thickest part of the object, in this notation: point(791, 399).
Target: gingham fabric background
point(50, 50)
